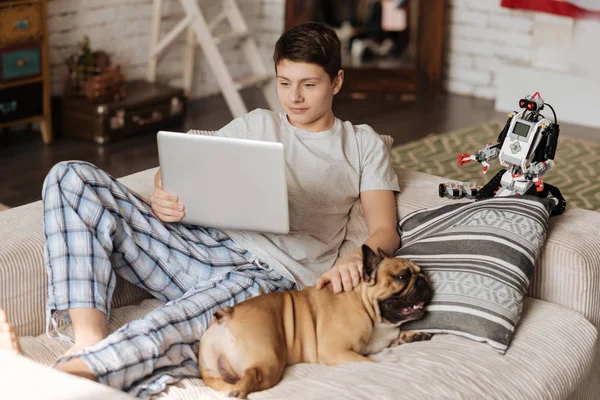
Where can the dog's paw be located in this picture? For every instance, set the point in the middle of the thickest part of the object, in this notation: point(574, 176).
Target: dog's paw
point(237, 394)
point(422, 336)
point(406, 337)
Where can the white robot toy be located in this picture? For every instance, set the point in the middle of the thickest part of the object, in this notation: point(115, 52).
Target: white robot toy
point(526, 147)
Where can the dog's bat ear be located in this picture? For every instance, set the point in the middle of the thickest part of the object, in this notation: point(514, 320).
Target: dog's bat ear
point(382, 254)
point(370, 262)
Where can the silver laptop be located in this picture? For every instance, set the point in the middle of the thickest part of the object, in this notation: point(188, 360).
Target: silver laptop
point(226, 183)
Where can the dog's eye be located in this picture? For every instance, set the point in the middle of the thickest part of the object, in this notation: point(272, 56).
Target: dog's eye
point(404, 276)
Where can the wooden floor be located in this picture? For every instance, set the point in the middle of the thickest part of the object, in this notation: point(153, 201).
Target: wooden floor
point(25, 160)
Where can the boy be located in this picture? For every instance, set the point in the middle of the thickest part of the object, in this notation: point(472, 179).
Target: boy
point(95, 227)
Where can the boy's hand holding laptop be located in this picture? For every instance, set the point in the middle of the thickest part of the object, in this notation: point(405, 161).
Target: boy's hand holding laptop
point(221, 183)
point(165, 205)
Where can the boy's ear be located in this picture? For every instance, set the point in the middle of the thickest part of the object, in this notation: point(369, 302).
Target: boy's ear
point(370, 262)
point(338, 81)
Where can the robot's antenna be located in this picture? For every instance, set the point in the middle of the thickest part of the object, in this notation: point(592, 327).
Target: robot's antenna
point(554, 113)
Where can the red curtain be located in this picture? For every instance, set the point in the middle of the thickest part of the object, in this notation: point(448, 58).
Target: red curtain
point(558, 7)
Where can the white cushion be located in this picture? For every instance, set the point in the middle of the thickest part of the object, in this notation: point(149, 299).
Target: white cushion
point(551, 350)
point(22, 378)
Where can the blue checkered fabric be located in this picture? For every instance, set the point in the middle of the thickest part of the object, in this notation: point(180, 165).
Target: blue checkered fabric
point(95, 228)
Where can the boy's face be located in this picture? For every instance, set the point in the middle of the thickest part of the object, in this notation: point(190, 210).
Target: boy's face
point(306, 93)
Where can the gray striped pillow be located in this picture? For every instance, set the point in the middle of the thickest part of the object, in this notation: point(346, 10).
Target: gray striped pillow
point(479, 257)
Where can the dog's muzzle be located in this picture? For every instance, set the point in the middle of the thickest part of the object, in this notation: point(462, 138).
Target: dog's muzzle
point(409, 306)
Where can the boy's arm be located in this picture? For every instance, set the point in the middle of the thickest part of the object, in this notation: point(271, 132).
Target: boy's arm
point(379, 208)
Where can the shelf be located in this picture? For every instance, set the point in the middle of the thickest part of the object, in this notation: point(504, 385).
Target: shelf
point(15, 88)
point(22, 121)
point(21, 82)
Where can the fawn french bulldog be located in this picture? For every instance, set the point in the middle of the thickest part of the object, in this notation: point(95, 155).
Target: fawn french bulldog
point(248, 346)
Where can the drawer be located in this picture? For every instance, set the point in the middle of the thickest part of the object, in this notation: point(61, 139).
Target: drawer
point(20, 24)
point(20, 63)
point(20, 102)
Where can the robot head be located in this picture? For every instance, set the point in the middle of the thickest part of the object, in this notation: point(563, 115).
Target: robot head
point(532, 103)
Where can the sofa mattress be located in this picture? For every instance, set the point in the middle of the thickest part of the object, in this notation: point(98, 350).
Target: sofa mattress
point(551, 350)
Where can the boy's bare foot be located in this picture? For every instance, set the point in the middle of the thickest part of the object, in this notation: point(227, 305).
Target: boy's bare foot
point(89, 328)
point(8, 337)
point(83, 343)
point(9, 342)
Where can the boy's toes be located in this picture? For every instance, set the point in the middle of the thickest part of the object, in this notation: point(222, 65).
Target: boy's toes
point(8, 337)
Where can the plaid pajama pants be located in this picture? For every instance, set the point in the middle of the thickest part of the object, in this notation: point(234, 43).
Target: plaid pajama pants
point(95, 228)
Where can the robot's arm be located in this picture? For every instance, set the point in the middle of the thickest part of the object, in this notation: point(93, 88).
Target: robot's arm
point(535, 172)
point(551, 142)
point(489, 152)
point(539, 168)
point(482, 156)
point(504, 132)
point(544, 158)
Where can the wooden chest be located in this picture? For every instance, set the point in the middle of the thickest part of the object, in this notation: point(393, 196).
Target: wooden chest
point(148, 108)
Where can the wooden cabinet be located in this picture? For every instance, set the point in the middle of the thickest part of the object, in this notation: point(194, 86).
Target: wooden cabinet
point(418, 69)
point(24, 65)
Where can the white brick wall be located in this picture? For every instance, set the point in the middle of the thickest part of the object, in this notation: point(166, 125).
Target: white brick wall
point(482, 36)
point(122, 28)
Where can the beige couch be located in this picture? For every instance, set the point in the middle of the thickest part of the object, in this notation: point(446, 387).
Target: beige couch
point(554, 353)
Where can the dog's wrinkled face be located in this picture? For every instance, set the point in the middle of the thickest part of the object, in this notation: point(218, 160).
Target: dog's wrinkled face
point(398, 286)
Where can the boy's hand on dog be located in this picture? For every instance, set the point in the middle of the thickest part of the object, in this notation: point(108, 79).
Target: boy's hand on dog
point(165, 204)
point(345, 275)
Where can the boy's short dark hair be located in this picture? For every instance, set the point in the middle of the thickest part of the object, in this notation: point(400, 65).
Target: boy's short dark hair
point(311, 42)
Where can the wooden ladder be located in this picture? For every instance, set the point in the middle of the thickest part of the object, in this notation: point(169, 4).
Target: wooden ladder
point(201, 32)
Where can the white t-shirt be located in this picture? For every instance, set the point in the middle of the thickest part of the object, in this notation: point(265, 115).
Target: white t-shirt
point(326, 172)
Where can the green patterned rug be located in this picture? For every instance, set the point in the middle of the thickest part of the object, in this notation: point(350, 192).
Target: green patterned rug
point(576, 174)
